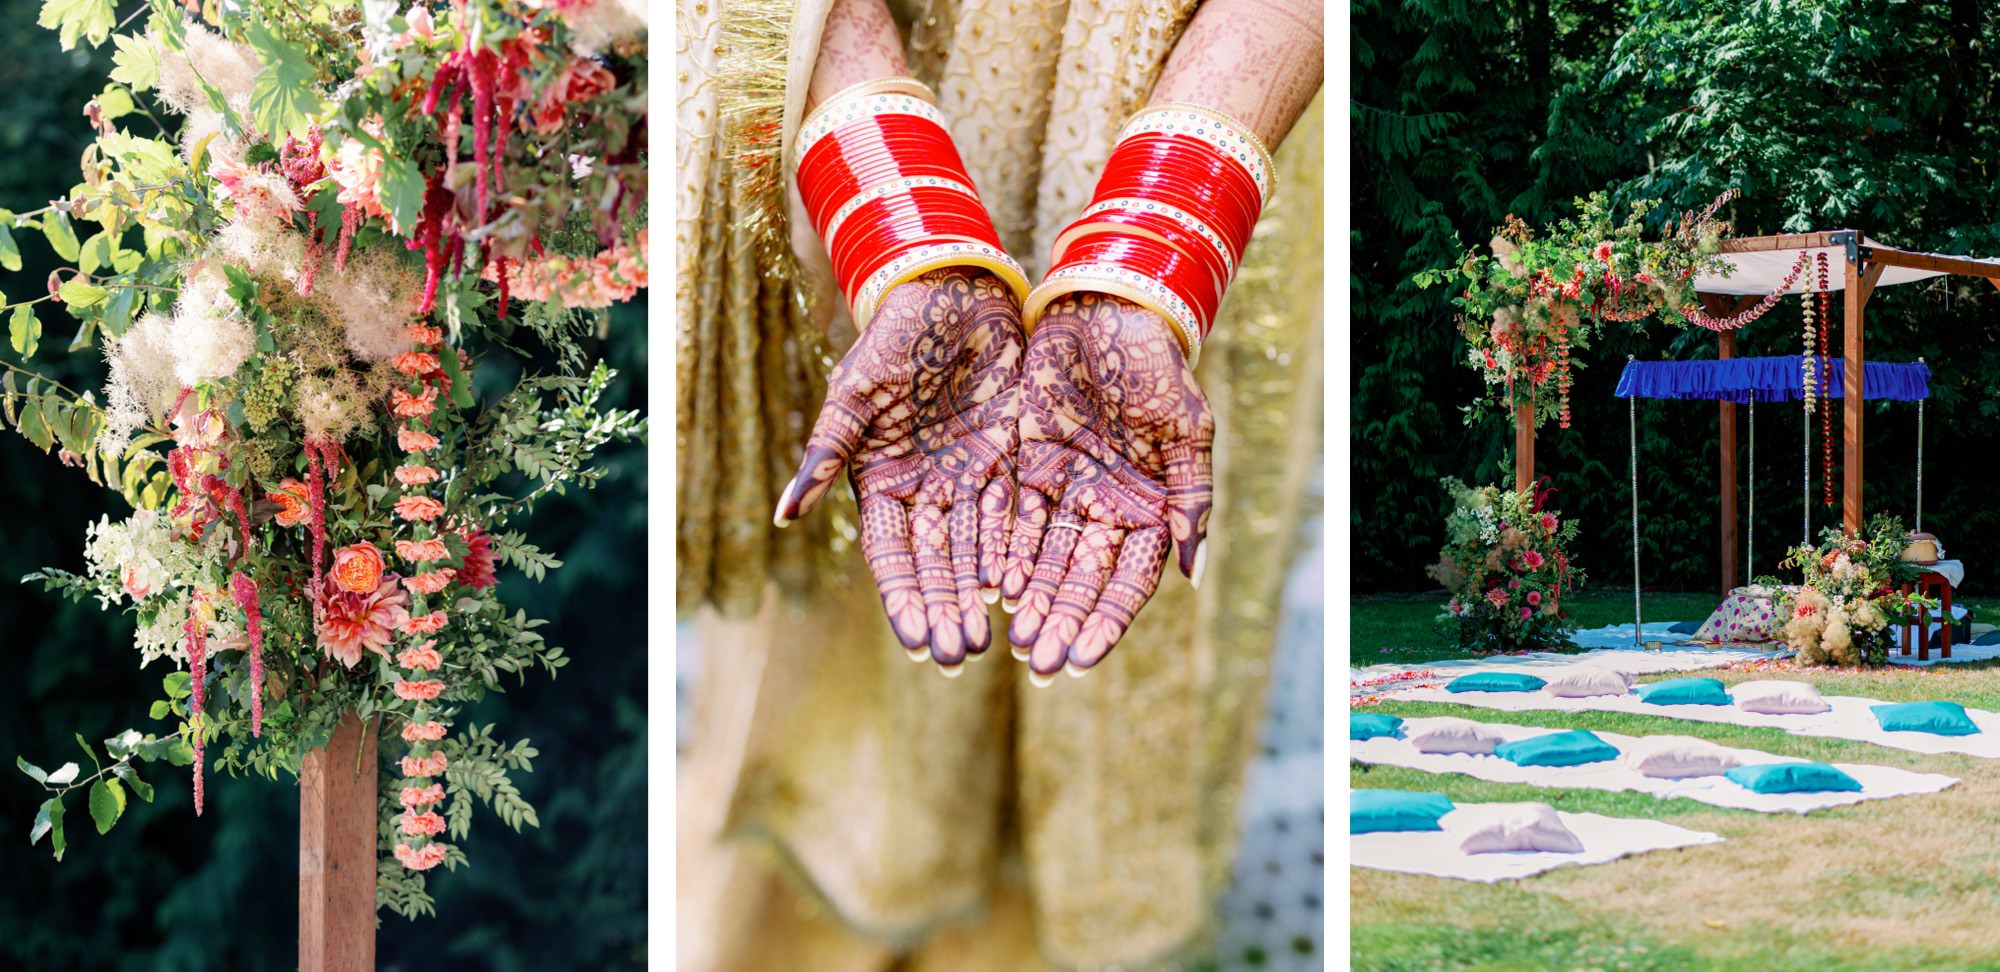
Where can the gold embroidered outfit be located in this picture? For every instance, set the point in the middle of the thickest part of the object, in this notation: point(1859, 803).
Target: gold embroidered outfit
point(838, 805)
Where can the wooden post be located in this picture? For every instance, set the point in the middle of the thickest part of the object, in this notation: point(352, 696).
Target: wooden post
point(1727, 466)
point(337, 814)
point(1852, 402)
point(1524, 448)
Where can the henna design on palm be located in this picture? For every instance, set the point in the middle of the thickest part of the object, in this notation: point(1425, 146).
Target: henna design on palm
point(923, 413)
point(1115, 462)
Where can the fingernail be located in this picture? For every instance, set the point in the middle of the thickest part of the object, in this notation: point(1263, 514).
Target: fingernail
point(951, 671)
point(1039, 680)
point(1200, 563)
point(1010, 604)
point(991, 595)
point(921, 653)
point(1075, 672)
point(1019, 653)
point(778, 518)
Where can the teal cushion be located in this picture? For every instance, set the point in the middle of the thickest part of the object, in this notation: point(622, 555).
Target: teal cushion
point(1495, 682)
point(1684, 691)
point(1571, 748)
point(1793, 778)
point(1370, 725)
point(1372, 811)
point(1937, 718)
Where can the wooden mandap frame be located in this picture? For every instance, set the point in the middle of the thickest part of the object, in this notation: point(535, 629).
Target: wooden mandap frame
point(1865, 263)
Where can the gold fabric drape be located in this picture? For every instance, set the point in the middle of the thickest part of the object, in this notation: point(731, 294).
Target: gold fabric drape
point(841, 807)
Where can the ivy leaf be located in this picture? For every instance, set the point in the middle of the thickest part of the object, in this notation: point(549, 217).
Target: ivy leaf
point(283, 99)
point(137, 62)
point(402, 192)
point(107, 804)
point(24, 331)
point(55, 226)
point(89, 19)
point(10, 252)
point(64, 775)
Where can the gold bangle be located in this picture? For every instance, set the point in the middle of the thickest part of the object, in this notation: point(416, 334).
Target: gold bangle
point(936, 256)
point(905, 86)
point(1235, 127)
point(1121, 283)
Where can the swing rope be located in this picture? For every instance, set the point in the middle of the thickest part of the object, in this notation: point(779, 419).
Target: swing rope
point(1637, 620)
point(1808, 477)
point(1750, 536)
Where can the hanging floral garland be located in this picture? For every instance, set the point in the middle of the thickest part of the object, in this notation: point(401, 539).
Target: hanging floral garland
point(1825, 383)
point(301, 276)
point(1808, 355)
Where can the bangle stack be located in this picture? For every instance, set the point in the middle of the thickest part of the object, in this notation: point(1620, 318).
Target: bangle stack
point(1169, 221)
point(885, 188)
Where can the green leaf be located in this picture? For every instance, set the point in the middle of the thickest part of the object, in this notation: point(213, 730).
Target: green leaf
point(55, 809)
point(47, 817)
point(461, 386)
point(56, 226)
point(161, 709)
point(402, 191)
point(137, 62)
point(284, 98)
point(24, 331)
point(64, 775)
point(82, 296)
point(10, 251)
point(107, 804)
point(177, 685)
point(123, 744)
point(143, 789)
point(34, 772)
point(90, 19)
point(115, 102)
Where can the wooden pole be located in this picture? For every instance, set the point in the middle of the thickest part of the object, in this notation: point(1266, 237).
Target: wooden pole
point(337, 814)
point(1850, 493)
point(1524, 448)
point(1727, 466)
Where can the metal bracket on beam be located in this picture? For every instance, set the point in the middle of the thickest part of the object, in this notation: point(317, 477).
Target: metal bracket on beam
point(1856, 253)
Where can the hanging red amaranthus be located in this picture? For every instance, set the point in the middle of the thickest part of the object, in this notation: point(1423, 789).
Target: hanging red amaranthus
point(245, 591)
point(197, 652)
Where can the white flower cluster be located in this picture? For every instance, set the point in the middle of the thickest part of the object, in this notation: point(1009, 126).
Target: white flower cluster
point(138, 560)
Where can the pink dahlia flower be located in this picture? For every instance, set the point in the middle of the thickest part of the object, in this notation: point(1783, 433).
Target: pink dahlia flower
point(351, 622)
point(1533, 559)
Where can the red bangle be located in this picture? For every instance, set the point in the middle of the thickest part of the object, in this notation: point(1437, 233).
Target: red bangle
point(1150, 226)
point(927, 190)
point(856, 256)
point(1156, 261)
point(1188, 157)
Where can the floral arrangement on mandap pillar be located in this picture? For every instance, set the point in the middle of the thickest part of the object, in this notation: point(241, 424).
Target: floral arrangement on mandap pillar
point(1505, 565)
point(314, 244)
point(1527, 304)
point(1848, 608)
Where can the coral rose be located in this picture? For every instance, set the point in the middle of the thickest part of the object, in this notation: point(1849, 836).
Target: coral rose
point(357, 568)
point(415, 475)
point(432, 582)
point(410, 691)
point(426, 824)
point(406, 405)
point(418, 551)
point(415, 363)
point(419, 509)
point(411, 440)
point(419, 766)
point(291, 498)
point(423, 732)
point(423, 334)
point(425, 623)
point(423, 657)
point(423, 796)
point(420, 859)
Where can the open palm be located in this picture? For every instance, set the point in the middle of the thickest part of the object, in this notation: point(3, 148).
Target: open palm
point(1115, 463)
point(923, 412)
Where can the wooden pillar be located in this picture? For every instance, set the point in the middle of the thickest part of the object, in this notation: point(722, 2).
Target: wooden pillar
point(337, 814)
point(1524, 448)
point(1725, 350)
point(1856, 295)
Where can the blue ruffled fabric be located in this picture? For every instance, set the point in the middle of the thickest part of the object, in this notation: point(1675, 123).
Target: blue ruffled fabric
point(1772, 379)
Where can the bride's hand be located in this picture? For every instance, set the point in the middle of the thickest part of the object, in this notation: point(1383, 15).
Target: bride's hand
point(1115, 462)
point(923, 412)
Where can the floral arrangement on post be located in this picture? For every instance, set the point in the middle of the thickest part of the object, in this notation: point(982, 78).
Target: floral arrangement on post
point(1525, 306)
point(1505, 565)
point(1847, 608)
point(340, 214)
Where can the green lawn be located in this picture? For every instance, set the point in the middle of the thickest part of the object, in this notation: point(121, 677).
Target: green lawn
point(1910, 883)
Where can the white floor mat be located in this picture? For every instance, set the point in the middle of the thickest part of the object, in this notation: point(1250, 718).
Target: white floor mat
point(1436, 853)
point(1617, 659)
point(1850, 717)
point(1877, 782)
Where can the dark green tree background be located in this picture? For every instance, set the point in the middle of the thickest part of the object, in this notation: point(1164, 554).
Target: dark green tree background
point(166, 890)
point(1877, 115)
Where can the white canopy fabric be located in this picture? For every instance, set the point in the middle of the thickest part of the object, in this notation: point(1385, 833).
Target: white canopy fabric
point(1760, 272)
